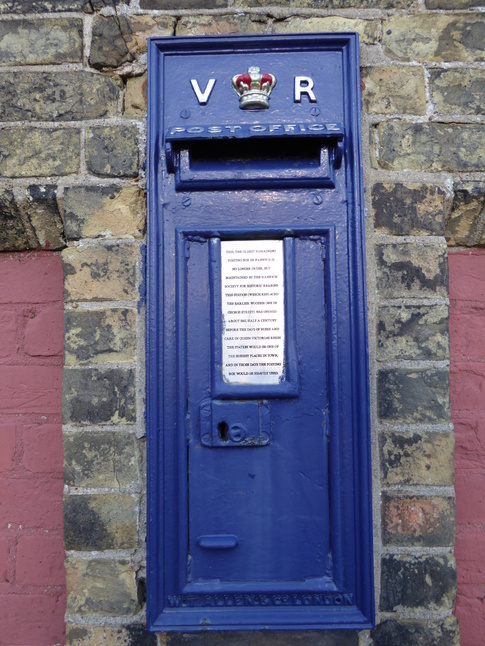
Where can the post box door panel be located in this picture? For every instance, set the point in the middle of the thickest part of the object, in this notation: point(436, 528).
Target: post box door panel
point(258, 432)
point(272, 498)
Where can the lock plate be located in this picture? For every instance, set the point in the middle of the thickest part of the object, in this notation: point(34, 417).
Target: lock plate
point(229, 424)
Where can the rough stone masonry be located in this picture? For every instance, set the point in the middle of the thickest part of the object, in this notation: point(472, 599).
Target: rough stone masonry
point(72, 152)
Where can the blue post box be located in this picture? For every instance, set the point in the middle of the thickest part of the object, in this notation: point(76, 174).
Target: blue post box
point(259, 507)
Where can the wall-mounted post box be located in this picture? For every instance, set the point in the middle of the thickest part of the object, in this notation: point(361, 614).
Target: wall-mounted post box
point(259, 511)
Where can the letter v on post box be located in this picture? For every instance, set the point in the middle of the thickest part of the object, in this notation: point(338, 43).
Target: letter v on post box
point(259, 471)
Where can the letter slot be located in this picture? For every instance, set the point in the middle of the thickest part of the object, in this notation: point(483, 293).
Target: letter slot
point(258, 431)
point(265, 158)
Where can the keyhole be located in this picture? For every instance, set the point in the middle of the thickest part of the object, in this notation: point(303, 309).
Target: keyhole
point(223, 431)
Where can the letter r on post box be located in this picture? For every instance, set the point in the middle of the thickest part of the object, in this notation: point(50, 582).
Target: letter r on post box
point(304, 85)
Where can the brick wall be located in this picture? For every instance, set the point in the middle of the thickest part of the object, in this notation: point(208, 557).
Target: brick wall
point(72, 136)
point(32, 578)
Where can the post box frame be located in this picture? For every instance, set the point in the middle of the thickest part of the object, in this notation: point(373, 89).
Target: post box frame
point(168, 607)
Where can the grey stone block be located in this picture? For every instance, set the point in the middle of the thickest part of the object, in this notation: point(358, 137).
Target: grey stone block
point(49, 41)
point(412, 332)
point(101, 459)
point(418, 582)
point(92, 396)
point(100, 522)
point(45, 218)
point(413, 396)
point(13, 236)
point(412, 270)
point(409, 209)
point(416, 632)
point(112, 151)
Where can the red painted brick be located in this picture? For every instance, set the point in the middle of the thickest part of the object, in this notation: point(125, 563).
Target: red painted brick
point(8, 334)
point(30, 278)
point(467, 334)
point(33, 619)
point(31, 502)
point(44, 333)
point(467, 343)
point(470, 611)
point(470, 497)
point(469, 444)
point(40, 560)
point(467, 275)
point(467, 390)
point(7, 446)
point(42, 448)
point(30, 389)
point(4, 553)
point(470, 554)
point(31, 283)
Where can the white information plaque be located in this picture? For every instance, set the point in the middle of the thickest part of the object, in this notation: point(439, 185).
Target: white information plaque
point(253, 311)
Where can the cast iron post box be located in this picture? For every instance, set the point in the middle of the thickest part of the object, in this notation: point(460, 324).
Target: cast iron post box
point(259, 510)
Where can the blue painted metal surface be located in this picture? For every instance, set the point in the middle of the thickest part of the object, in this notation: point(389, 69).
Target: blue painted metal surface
point(259, 496)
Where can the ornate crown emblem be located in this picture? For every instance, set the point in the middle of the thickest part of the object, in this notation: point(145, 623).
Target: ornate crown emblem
point(253, 88)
